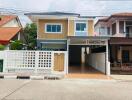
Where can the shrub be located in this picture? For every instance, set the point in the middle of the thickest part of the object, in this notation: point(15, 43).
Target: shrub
point(2, 47)
point(16, 45)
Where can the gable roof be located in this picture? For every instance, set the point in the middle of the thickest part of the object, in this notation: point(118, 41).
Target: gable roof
point(6, 18)
point(125, 14)
point(6, 34)
point(53, 13)
point(116, 15)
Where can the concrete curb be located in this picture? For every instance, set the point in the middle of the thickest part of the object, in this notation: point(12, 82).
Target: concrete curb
point(10, 77)
point(33, 77)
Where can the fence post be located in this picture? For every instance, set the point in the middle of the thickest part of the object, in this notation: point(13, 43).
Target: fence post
point(36, 60)
point(52, 61)
point(5, 61)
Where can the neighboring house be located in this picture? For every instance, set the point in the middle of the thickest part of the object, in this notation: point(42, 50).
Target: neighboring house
point(10, 28)
point(73, 33)
point(119, 28)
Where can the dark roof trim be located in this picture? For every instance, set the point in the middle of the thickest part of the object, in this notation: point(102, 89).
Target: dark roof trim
point(53, 13)
point(60, 14)
point(87, 17)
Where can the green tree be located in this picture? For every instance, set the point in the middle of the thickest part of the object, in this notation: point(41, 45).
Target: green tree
point(2, 47)
point(16, 45)
point(30, 33)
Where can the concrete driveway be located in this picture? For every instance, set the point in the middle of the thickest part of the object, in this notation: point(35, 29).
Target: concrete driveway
point(67, 89)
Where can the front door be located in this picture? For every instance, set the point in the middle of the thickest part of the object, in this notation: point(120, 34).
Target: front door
point(1, 65)
point(59, 62)
point(125, 56)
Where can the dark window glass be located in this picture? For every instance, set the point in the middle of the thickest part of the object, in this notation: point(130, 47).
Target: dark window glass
point(108, 30)
point(58, 28)
point(121, 27)
point(49, 29)
point(80, 27)
point(54, 28)
point(128, 23)
point(83, 27)
point(113, 28)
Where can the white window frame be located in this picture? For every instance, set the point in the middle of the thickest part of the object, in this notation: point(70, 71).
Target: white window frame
point(53, 24)
point(83, 22)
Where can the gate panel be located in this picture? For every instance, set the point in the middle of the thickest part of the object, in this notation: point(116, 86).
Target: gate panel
point(59, 62)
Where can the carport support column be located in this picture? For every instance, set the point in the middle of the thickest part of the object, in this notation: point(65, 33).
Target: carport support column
point(107, 60)
point(68, 43)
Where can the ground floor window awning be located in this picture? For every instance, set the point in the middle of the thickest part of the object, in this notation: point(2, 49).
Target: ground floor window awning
point(120, 41)
point(52, 45)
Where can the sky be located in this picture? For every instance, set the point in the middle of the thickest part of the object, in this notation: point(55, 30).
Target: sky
point(84, 7)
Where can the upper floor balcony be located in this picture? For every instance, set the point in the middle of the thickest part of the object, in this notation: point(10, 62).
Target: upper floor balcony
point(115, 25)
point(119, 28)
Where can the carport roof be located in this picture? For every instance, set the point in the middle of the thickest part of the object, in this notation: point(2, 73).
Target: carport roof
point(88, 37)
point(121, 41)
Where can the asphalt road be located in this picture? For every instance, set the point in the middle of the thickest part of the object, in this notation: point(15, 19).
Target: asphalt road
point(67, 89)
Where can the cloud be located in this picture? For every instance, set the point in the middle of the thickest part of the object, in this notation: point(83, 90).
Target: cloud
point(84, 7)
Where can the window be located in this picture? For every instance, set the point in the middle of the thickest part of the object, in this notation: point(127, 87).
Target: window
point(53, 28)
point(81, 27)
point(102, 31)
point(113, 28)
point(125, 56)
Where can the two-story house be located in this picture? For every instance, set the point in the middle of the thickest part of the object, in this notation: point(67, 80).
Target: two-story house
point(10, 27)
point(119, 28)
point(71, 32)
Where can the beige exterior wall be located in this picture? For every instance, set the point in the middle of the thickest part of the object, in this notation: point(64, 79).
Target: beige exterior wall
point(43, 35)
point(90, 27)
point(71, 28)
point(67, 30)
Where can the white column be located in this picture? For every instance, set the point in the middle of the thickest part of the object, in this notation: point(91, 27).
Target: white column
point(66, 62)
point(19, 36)
point(125, 27)
point(107, 60)
point(111, 29)
point(117, 26)
point(68, 42)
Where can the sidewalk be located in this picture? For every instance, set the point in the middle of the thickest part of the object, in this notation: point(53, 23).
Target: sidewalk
point(122, 77)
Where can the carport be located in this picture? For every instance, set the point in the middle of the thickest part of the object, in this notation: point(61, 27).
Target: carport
point(88, 55)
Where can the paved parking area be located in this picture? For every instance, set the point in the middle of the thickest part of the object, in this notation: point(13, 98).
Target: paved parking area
point(67, 89)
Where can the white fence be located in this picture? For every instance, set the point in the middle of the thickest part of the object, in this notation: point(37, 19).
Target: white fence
point(97, 60)
point(28, 61)
point(1, 54)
